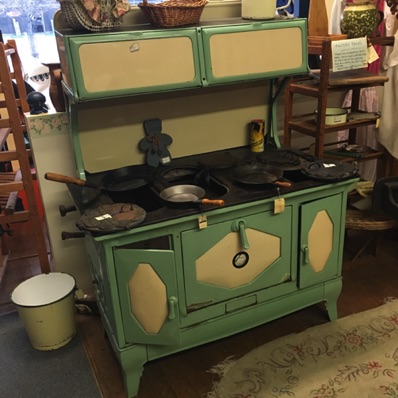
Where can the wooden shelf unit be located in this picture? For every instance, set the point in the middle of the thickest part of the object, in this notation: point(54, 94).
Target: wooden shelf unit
point(12, 124)
point(319, 84)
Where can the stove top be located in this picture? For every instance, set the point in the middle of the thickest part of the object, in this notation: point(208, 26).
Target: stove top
point(212, 172)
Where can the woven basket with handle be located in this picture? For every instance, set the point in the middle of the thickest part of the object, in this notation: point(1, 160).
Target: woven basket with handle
point(173, 13)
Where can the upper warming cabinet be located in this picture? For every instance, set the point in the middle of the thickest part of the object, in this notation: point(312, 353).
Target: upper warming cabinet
point(146, 60)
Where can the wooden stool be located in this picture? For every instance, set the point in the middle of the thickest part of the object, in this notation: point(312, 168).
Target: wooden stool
point(368, 220)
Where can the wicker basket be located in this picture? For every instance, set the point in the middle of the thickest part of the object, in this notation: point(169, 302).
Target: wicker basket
point(368, 220)
point(173, 13)
point(78, 18)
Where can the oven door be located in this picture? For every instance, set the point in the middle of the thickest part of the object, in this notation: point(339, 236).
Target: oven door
point(321, 236)
point(148, 295)
point(237, 257)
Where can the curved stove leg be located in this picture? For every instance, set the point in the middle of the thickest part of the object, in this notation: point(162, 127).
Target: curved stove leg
point(332, 293)
point(132, 361)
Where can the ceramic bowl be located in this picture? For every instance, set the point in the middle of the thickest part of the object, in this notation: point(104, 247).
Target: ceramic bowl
point(334, 115)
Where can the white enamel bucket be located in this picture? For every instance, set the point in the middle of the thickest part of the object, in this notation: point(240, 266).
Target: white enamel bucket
point(46, 307)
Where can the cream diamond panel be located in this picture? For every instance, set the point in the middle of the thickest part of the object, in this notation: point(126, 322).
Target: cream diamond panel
point(215, 266)
point(148, 299)
point(320, 241)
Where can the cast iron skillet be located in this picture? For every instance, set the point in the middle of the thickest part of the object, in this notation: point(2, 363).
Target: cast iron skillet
point(118, 180)
point(259, 174)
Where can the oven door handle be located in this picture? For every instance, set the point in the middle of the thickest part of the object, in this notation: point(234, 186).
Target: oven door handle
point(172, 307)
point(305, 251)
point(239, 226)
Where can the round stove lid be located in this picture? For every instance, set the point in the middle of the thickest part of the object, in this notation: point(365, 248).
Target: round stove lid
point(284, 159)
point(112, 218)
point(178, 172)
point(218, 161)
point(330, 171)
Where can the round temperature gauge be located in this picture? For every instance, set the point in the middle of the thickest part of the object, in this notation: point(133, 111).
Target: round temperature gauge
point(240, 259)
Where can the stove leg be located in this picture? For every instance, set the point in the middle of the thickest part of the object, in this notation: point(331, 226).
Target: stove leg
point(132, 361)
point(332, 292)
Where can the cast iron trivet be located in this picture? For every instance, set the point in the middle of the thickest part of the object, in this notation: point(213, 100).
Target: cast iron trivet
point(112, 218)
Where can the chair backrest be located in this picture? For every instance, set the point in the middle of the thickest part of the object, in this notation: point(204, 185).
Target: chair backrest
point(16, 73)
point(318, 23)
point(12, 122)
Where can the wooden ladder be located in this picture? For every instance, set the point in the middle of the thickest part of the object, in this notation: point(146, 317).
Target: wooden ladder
point(12, 125)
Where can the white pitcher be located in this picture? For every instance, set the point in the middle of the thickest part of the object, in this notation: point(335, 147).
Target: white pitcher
point(261, 9)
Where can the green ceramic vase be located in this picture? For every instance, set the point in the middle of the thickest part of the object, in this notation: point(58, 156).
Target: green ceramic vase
point(360, 20)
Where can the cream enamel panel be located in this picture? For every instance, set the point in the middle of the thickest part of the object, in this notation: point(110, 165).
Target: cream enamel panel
point(148, 299)
point(136, 63)
point(259, 51)
point(213, 119)
point(50, 141)
point(215, 266)
point(320, 241)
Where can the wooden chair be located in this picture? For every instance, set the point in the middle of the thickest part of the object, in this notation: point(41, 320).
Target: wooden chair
point(322, 82)
point(12, 125)
point(318, 85)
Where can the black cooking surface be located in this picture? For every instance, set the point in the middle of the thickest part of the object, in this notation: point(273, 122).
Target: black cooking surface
point(218, 182)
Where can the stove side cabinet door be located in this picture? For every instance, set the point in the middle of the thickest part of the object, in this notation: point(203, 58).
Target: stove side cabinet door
point(321, 240)
point(148, 295)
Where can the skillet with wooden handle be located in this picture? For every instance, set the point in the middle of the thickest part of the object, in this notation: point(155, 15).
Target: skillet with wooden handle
point(259, 174)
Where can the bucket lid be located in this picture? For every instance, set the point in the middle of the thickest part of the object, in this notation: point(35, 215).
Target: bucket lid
point(43, 289)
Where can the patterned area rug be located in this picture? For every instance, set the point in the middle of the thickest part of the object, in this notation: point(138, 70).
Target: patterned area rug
point(352, 357)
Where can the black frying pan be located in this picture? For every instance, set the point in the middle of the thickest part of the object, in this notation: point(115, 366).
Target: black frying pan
point(118, 180)
point(259, 174)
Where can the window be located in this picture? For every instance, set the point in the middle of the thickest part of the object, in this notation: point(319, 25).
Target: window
point(30, 24)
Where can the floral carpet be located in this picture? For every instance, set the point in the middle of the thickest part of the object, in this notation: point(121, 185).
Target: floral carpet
point(352, 357)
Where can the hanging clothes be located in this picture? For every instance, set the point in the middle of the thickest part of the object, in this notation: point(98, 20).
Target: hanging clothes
point(335, 16)
point(366, 135)
point(388, 131)
point(375, 66)
point(369, 100)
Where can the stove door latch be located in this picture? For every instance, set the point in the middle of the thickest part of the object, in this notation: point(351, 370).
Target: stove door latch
point(173, 301)
point(239, 226)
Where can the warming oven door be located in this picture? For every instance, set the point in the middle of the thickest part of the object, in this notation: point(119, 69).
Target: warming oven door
point(237, 257)
point(106, 66)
